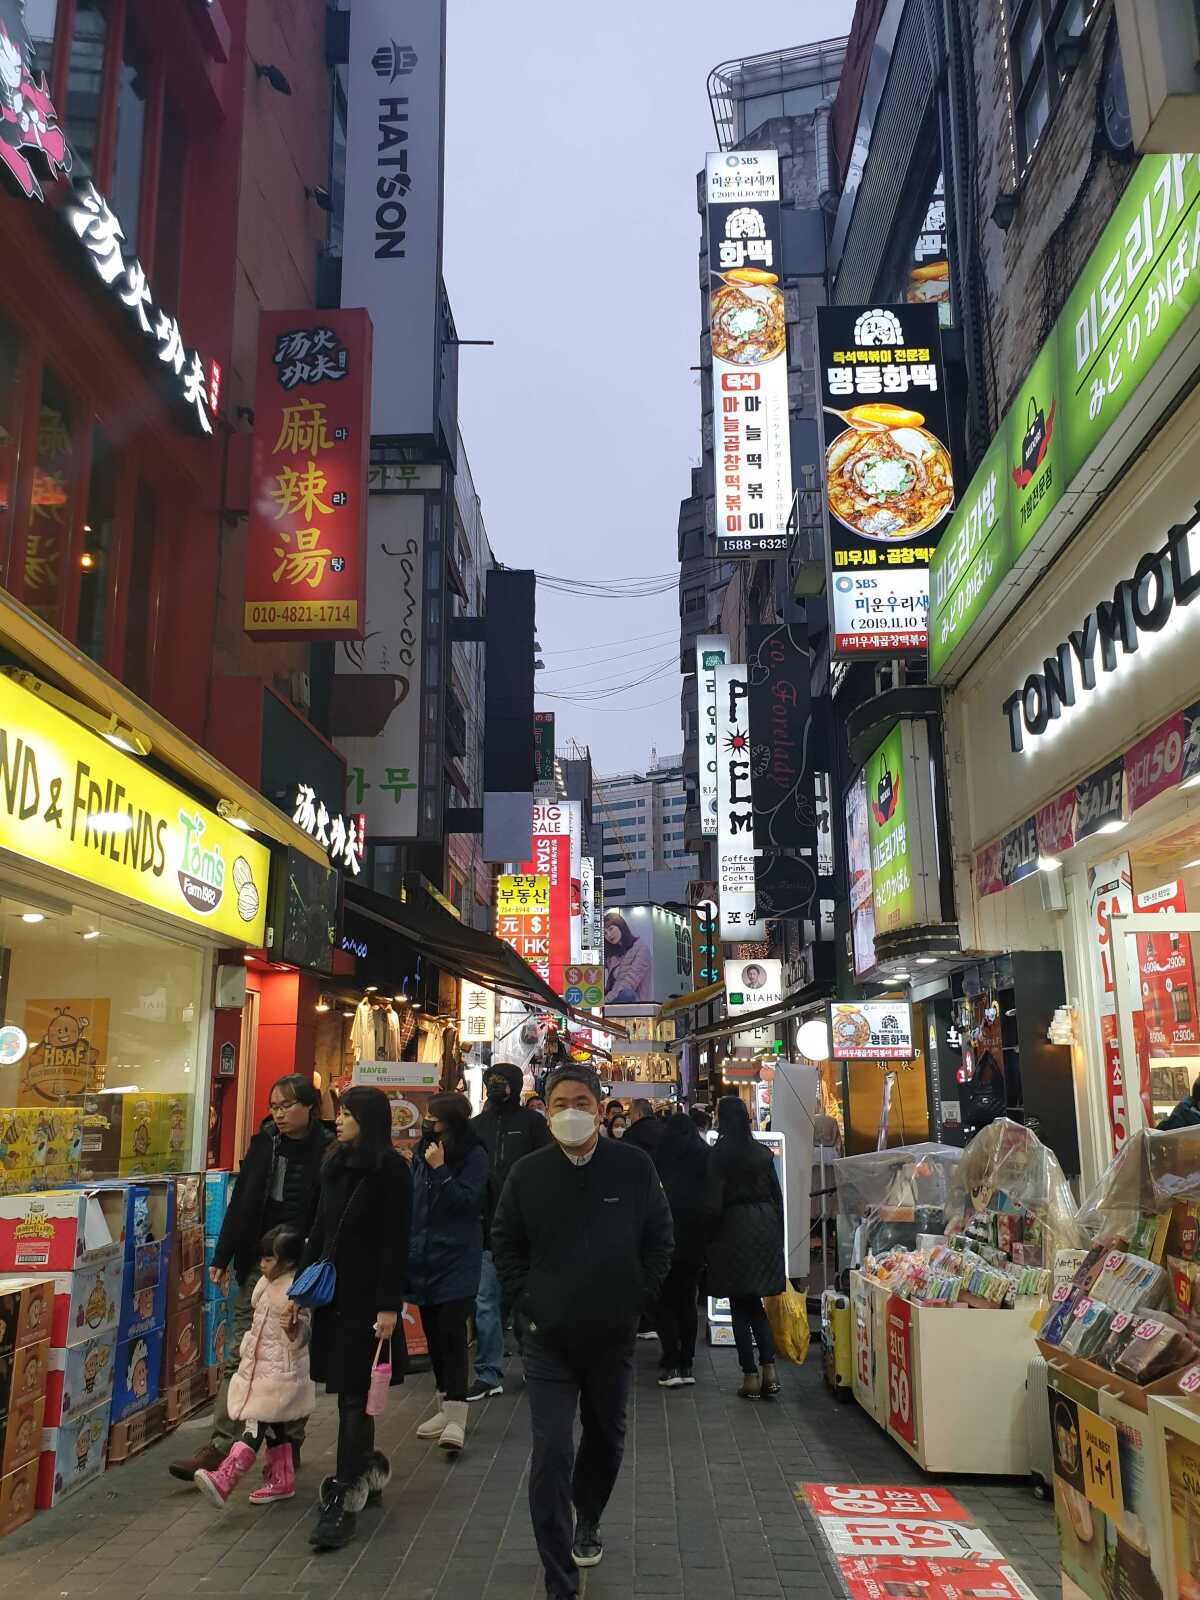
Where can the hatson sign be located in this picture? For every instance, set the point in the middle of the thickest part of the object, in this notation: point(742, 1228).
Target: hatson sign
point(1148, 602)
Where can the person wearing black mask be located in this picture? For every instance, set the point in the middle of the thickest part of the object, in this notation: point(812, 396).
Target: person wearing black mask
point(276, 1185)
point(507, 1130)
point(582, 1238)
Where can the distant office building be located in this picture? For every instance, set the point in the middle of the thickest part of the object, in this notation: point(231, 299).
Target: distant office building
point(642, 817)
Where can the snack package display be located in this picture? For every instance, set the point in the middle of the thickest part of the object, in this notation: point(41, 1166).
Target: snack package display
point(1009, 1192)
point(1148, 1200)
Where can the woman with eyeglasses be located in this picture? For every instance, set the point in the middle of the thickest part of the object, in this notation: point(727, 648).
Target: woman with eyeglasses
point(276, 1186)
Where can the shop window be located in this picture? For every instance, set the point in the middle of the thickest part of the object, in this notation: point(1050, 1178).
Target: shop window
point(141, 594)
point(125, 186)
point(48, 542)
point(1166, 878)
point(1035, 28)
point(40, 17)
point(96, 556)
point(11, 383)
point(85, 82)
point(168, 220)
point(113, 1014)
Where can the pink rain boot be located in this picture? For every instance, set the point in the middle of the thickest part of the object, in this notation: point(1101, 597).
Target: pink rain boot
point(279, 1477)
point(219, 1485)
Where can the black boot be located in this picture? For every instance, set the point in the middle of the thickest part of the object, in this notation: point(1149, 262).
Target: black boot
point(336, 1523)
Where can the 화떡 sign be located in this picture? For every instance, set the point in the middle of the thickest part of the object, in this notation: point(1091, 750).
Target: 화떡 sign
point(69, 800)
point(1140, 285)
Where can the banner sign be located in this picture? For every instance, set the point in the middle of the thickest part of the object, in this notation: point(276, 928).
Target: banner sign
point(735, 809)
point(889, 479)
point(870, 1030)
point(71, 801)
point(882, 1500)
point(752, 985)
point(748, 333)
point(376, 703)
point(862, 886)
point(306, 571)
point(901, 1400)
point(543, 756)
point(779, 664)
point(712, 651)
point(523, 918)
point(900, 830)
point(705, 970)
point(582, 986)
point(1137, 289)
point(1110, 894)
point(1165, 973)
point(476, 1014)
point(552, 860)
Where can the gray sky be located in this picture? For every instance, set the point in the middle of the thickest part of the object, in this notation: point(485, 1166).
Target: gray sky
point(572, 145)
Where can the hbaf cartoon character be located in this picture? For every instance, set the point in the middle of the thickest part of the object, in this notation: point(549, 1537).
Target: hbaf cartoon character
point(64, 1060)
point(176, 1136)
point(94, 1364)
point(96, 1308)
point(84, 1440)
point(28, 120)
point(137, 1378)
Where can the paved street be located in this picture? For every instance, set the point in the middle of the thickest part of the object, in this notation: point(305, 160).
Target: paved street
point(705, 1509)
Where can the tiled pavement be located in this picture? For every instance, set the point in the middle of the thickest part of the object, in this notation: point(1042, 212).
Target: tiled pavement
point(705, 1509)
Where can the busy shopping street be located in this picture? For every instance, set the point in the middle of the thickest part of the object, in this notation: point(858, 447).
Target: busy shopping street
point(600, 800)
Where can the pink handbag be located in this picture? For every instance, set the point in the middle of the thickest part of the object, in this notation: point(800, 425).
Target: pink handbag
point(381, 1381)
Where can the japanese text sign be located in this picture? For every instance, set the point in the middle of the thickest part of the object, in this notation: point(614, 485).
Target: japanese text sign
point(748, 331)
point(889, 480)
point(306, 567)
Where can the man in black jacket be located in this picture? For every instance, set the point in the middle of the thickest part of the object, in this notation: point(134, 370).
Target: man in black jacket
point(582, 1241)
point(645, 1129)
point(277, 1182)
point(507, 1131)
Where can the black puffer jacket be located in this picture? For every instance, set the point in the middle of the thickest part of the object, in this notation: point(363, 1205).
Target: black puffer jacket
point(244, 1224)
point(684, 1177)
point(745, 1220)
point(507, 1132)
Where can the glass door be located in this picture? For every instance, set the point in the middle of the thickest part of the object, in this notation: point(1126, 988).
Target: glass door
point(1158, 1020)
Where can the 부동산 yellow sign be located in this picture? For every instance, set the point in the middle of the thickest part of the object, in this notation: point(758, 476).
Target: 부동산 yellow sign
point(70, 800)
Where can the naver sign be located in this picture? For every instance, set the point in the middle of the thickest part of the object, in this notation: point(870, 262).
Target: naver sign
point(1163, 582)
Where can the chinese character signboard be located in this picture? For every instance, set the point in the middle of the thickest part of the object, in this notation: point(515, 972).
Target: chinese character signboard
point(376, 708)
point(735, 809)
point(889, 481)
point(306, 569)
point(523, 918)
point(1112, 342)
point(476, 1014)
point(712, 651)
point(752, 436)
point(344, 838)
point(870, 1030)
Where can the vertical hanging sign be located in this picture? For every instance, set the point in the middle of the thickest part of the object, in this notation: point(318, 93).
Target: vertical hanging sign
point(712, 651)
point(735, 810)
point(306, 566)
point(748, 332)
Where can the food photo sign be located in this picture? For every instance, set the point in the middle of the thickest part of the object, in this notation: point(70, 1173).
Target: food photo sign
point(889, 478)
point(871, 1030)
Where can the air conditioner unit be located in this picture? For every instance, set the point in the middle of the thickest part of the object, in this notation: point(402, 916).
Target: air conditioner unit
point(1160, 51)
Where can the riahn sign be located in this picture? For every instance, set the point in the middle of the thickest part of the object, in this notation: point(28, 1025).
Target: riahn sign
point(1149, 601)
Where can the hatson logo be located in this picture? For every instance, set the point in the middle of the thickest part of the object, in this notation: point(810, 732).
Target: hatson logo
point(393, 60)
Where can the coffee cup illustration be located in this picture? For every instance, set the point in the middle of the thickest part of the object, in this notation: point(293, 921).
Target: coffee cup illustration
point(363, 703)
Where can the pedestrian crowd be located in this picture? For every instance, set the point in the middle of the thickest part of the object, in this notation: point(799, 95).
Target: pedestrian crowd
point(581, 1226)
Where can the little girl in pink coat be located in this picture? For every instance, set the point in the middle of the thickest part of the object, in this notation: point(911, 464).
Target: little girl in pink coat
point(272, 1383)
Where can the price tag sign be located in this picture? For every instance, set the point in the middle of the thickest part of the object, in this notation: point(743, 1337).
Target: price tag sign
point(901, 1419)
point(1101, 1463)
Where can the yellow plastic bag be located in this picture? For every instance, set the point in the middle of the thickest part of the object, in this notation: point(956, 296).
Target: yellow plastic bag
point(788, 1315)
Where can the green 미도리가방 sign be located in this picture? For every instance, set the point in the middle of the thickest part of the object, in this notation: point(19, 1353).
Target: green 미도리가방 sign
point(888, 833)
point(1138, 287)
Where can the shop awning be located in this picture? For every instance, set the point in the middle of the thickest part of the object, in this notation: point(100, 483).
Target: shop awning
point(794, 1005)
point(698, 997)
point(451, 944)
point(49, 656)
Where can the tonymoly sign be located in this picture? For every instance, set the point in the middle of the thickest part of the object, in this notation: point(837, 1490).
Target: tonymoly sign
point(1162, 584)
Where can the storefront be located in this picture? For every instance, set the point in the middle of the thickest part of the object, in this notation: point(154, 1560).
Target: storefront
point(1076, 754)
point(118, 889)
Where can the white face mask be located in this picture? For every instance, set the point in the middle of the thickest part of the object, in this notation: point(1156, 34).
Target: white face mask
point(571, 1127)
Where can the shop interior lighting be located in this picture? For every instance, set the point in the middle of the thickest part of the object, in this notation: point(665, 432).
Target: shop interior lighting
point(234, 816)
point(110, 822)
point(372, 988)
point(108, 727)
point(927, 961)
point(1049, 864)
point(33, 916)
point(323, 1003)
point(90, 933)
point(87, 561)
point(1114, 826)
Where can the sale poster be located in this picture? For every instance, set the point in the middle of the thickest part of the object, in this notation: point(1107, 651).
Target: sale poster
point(901, 1407)
point(68, 1050)
point(882, 1500)
point(1183, 1480)
point(1167, 980)
point(905, 1536)
point(883, 1577)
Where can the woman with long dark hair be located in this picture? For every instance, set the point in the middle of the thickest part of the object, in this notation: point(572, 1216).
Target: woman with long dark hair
point(745, 1245)
point(362, 1226)
point(445, 1260)
point(628, 963)
point(681, 1157)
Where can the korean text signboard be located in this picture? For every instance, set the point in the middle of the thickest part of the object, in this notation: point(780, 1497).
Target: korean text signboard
point(552, 860)
point(889, 480)
point(901, 1404)
point(735, 810)
point(752, 435)
point(306, 567)
point(523, 918)
point(543, 755)
point(871, 1030)
point(1139, 286)
point(71, 801)
point(899, 828)
point(712, 651)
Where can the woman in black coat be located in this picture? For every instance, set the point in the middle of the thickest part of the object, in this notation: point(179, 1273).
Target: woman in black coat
point(450, 1177)
point(362, 1226)
point(682, 1161)
point(745, 1246)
